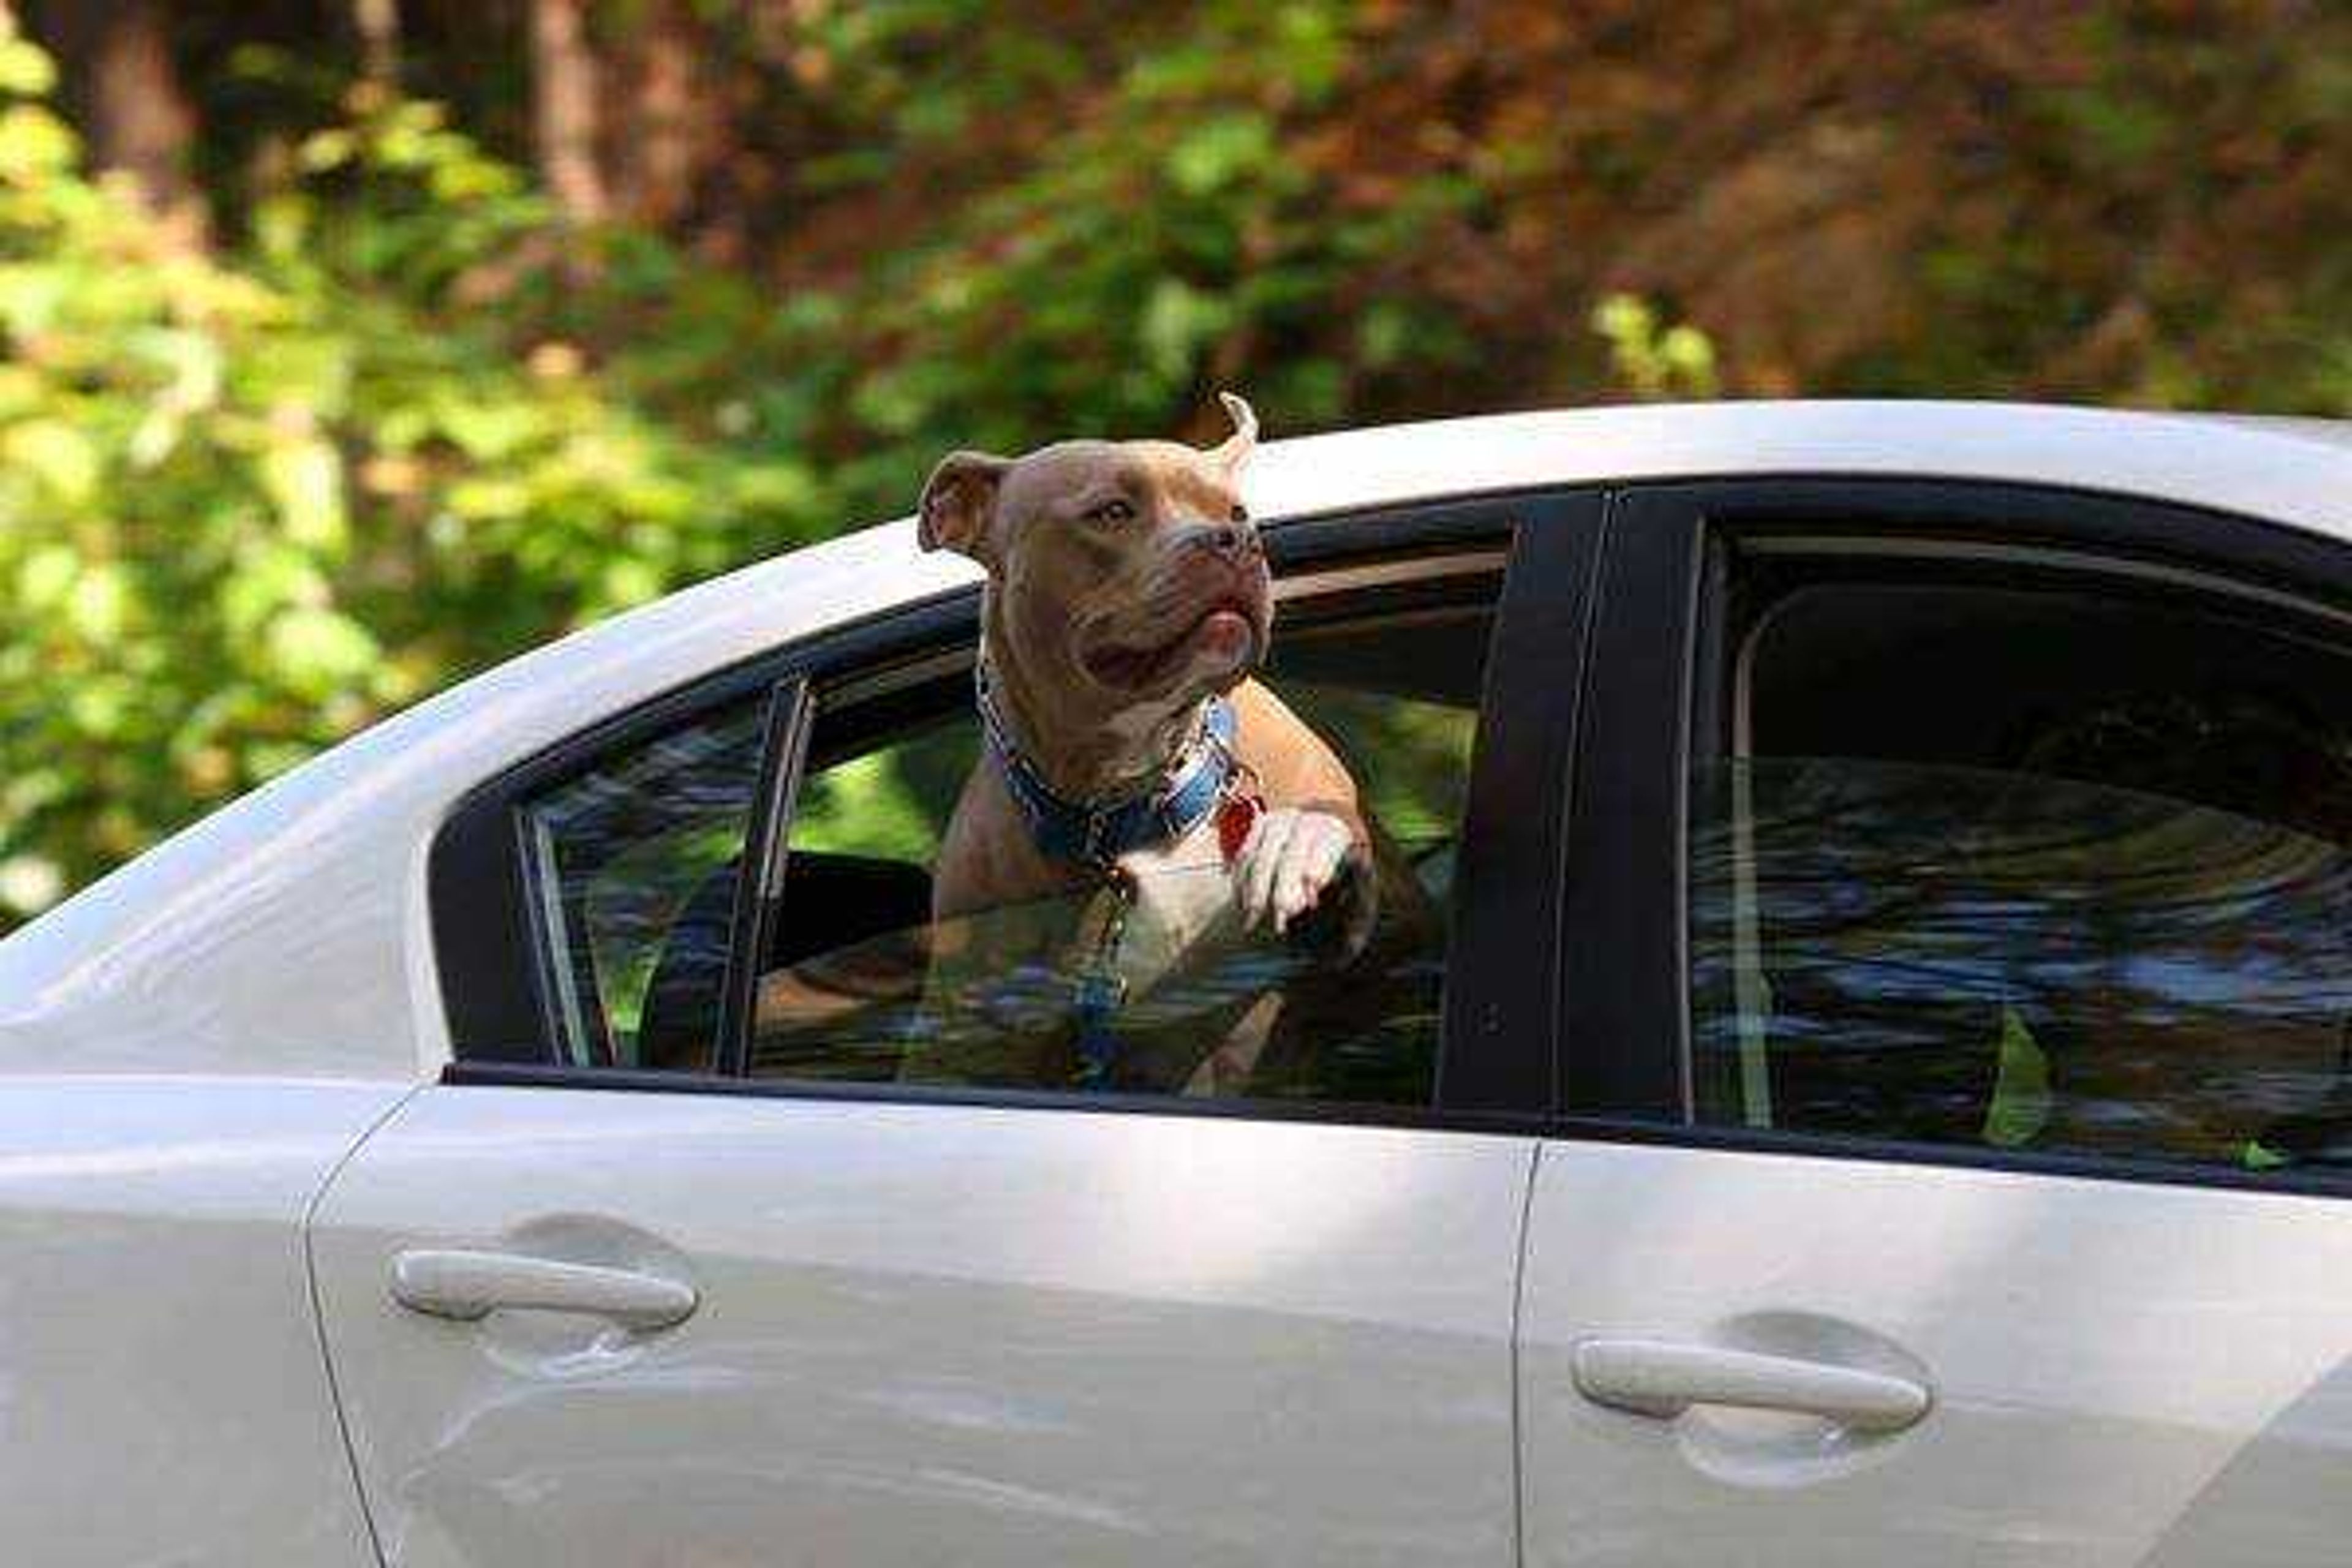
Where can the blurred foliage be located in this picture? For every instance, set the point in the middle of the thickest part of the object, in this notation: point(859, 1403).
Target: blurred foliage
point(1654, 361)
point(401, 415)
point(249, 505)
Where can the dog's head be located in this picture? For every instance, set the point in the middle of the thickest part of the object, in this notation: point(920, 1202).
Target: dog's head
point(1125, 579)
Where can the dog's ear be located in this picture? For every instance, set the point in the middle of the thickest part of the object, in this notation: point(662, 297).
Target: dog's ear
point(1236, 447)
point(957, 500)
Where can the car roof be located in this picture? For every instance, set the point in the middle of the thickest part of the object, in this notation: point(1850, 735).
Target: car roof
point(2284, 470)
point(289, 931)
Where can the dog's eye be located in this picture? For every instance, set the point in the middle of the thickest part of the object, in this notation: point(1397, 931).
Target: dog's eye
point(1114, 511)
point(1240, 513)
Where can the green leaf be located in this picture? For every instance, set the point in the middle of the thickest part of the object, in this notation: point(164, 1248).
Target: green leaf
point(265, 581)
point(97, 604)
point(47, 575)
point(33, 142)
point(488, 431)
point(327, 149)
point(319, 651)
point(1216, 153)
point(25, 69)
point(489, 500)
point(305, 483)
point(58, 453)
point(31, 293)
point(1179, 322)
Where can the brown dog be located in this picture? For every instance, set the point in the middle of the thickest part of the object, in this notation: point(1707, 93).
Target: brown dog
point(1127, 601)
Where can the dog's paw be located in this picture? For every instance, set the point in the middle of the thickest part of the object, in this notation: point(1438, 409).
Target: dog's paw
point(1298, 869)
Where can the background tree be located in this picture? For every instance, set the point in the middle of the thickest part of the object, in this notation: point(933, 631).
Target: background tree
point(126, 89)
point(565, 94)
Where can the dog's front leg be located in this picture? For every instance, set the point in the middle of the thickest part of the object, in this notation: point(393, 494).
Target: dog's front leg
point(1294, 859)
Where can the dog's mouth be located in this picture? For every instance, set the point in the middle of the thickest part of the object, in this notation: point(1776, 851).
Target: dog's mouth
point(1228, 632)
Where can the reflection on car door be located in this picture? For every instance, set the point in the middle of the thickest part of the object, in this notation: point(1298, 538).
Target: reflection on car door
point(930, 1333)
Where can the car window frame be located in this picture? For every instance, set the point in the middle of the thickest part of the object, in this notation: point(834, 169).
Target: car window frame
point(1498, 1048)
point(1658, 662)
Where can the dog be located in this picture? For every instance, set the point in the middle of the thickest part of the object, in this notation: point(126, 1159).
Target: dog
point(1142, 802)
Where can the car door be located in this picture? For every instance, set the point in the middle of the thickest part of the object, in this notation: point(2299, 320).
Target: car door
point(687, 1261)
point(1969, 993)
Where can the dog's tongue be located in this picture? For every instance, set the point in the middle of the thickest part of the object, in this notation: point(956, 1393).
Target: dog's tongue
point(1226, 633)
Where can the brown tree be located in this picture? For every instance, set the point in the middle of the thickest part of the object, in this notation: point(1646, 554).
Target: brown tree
point(377, 23)
point(564, 101)
point(668, 123)
point(126, 90)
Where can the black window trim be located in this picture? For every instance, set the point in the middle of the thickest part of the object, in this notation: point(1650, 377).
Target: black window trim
point(482, 922)
point(1625, 1025)
point(791, 714)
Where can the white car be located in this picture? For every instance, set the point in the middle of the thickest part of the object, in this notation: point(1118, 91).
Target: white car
point(1876, 1088)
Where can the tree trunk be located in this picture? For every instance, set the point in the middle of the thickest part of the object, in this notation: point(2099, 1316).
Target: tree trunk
point(377, 23)
point(564, 64)
point(667, 124)
point(124, 87)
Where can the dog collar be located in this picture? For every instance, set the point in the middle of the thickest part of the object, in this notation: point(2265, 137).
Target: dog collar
point(1096, 833)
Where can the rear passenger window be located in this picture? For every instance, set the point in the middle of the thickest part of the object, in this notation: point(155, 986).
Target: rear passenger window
point(2061, 867)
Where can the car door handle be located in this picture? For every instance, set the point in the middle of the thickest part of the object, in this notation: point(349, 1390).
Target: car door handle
point(1652, 1377)
point(468, 1286)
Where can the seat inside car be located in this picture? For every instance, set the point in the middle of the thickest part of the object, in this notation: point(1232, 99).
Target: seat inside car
point(829, 901)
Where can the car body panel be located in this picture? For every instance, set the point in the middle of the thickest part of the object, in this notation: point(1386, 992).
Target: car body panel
point(2123, 1375)
point(172, 963)
point(935, 1333)
point(163, 1395)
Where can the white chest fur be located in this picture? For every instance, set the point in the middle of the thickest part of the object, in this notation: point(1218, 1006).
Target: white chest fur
point(1184, 896)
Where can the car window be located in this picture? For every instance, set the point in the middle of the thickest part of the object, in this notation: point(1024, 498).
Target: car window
point(860, 983)
point(633, 865)
point(2060, 868)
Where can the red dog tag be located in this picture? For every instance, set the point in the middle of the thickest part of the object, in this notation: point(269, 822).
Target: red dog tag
point(1236, 814)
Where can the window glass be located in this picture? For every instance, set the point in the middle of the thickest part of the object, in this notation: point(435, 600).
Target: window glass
point(635, 865)
point(2038, 868)
point(859, 983)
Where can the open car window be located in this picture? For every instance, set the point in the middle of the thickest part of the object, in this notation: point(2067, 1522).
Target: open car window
point(859, 983)
point(748, 888)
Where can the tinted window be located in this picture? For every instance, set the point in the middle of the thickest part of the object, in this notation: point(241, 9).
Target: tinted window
point(633, 865)
point(2027, 868)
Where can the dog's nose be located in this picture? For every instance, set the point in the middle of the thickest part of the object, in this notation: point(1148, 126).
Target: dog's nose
point(1232, 539)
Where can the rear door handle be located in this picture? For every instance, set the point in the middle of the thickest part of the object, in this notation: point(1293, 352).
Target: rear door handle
point(468, 1286)
point(1652, 1377)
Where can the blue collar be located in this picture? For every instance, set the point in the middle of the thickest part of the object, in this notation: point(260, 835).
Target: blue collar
point(1096, 833)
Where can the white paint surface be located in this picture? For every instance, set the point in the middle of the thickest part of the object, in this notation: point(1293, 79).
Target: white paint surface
point(935, 1334)
point(2123, 1376)
point(164, 1397)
